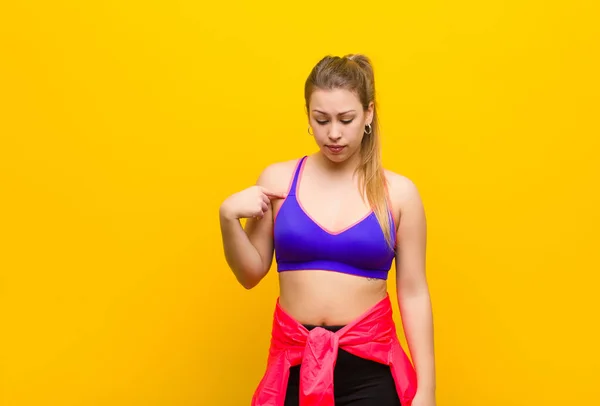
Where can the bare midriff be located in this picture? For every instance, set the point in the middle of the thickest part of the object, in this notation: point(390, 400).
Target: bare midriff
point(330, 298)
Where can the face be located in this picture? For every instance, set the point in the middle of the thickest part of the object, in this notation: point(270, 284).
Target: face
point(338, 120)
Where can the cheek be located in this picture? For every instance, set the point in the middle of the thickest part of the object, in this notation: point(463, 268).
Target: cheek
point(356, 129)
point(319, 131)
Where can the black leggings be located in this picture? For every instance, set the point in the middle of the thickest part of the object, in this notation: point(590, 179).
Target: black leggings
point(356, 381)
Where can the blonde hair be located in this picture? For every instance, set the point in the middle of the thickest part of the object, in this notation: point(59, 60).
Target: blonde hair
point(354, 72)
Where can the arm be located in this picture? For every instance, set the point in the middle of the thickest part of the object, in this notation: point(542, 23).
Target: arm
point(249, 251)
point(411, 284)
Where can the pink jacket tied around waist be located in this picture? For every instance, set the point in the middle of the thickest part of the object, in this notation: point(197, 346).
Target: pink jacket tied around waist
point(371, 336)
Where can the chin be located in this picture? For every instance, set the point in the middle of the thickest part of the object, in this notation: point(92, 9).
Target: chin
point(337, 158)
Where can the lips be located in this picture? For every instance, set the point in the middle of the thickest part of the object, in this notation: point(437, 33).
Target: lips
point(335, 149)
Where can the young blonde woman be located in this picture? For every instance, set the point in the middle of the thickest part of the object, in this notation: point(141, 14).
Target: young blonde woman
point(335, 221)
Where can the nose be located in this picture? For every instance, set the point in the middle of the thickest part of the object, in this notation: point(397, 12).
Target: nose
point(335, 132)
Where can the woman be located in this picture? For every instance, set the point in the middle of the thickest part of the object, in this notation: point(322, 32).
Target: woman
point(335, 221)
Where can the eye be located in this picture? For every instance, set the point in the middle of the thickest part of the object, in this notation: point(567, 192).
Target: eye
point(347, 121)
point(322, 122)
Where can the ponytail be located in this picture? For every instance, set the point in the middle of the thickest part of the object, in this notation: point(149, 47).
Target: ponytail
point(355, 72)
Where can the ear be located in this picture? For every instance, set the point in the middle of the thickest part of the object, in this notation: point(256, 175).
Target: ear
point(369, 113)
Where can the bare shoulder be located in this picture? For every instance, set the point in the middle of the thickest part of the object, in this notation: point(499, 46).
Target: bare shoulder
point(276, 176)
point(401, 188)
point(404, 194)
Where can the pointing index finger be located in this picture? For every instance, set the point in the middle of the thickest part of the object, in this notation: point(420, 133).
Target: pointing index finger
point(273, 195)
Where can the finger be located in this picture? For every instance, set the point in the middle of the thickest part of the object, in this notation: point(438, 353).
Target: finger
point(265, 199)
point(264, 207)
point(273, 195)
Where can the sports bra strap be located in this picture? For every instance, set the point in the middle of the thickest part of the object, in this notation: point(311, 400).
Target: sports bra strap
point(292, 191)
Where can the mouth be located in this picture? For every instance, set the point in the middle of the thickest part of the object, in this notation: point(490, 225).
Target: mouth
point(335, 149)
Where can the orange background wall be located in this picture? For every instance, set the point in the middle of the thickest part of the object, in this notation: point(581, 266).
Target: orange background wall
point(123, 125)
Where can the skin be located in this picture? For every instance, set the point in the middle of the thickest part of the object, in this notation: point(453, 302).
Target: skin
point(328, 191)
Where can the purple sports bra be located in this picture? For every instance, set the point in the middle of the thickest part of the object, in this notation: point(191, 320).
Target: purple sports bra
point(302, 244)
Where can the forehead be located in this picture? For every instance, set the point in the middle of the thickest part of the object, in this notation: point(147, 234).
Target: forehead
point(334, 101)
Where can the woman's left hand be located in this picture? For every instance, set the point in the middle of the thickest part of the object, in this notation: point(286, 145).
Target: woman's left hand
point(424, 398)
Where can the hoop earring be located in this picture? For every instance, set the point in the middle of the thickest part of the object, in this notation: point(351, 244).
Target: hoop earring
point(309, 131)
point(370, 129)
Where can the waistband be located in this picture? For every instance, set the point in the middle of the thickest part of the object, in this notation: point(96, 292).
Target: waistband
point(333, 329)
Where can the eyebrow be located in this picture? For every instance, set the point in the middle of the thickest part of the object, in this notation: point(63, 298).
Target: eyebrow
point(339, 114)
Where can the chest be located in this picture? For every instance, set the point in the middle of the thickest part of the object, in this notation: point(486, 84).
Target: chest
point(333, 205)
